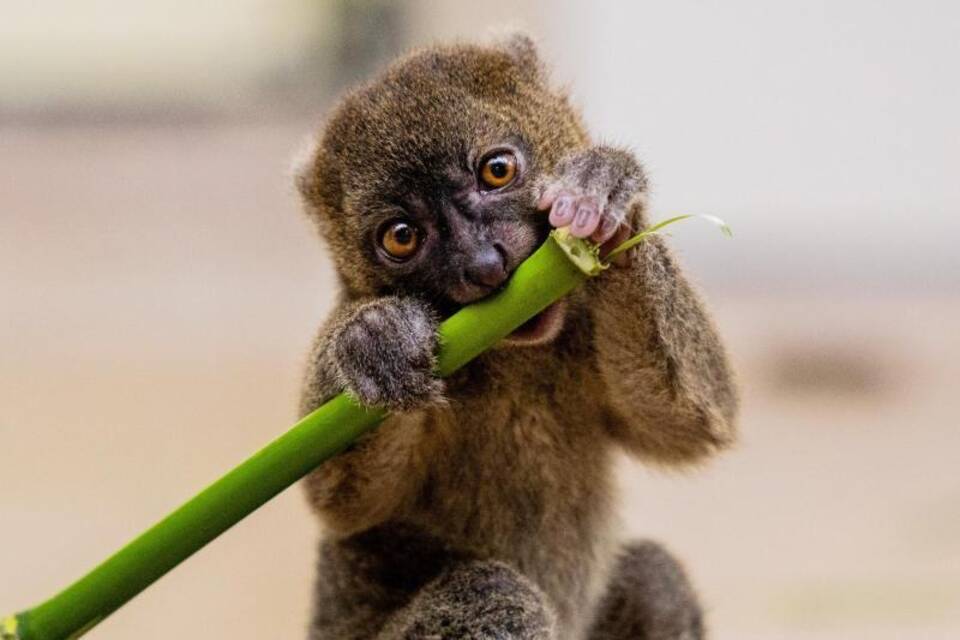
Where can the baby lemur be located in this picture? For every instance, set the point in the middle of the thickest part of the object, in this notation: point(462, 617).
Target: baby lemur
point(483, 507)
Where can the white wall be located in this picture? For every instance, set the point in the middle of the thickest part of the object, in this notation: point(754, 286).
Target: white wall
point(116, 53)
point(827, 133)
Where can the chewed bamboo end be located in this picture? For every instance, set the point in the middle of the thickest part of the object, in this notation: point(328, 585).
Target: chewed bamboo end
point(582, 253)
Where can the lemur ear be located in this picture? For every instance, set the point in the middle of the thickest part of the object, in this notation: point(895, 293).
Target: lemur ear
point(523, 49)
point(318, 181)
point(520, 46)
point(303, 166)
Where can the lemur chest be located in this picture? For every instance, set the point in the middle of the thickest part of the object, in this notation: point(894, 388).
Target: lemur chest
point(525, 483)
point(520, 469)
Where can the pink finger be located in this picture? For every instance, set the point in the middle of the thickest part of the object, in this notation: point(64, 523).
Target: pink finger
point(563, 212)
point(619, 237)
point(586, 220)
point(548, 197)
point(608, 226)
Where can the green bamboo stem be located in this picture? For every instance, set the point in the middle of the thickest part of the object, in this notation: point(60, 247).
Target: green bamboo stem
point(558, 266)
point(550, 273)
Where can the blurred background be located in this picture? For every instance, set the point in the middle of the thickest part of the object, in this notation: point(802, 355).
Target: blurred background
point(159, 286)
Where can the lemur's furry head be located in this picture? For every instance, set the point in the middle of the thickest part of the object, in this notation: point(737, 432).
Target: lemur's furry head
point(424, 180)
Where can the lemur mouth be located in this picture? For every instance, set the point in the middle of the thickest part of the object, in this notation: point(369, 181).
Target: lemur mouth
point(540, 329)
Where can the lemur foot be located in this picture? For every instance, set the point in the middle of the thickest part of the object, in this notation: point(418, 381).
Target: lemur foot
point(481, 600)
point(385, 355)
point(649, 597)
point(592, 193)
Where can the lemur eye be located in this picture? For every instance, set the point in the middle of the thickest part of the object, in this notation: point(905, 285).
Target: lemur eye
point(400, 239)
point(498, 170)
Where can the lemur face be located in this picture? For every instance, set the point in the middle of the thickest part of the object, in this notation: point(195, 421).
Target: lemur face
point(455, 227)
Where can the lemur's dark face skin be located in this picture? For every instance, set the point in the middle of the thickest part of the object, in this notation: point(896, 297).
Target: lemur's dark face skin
point(454, 234)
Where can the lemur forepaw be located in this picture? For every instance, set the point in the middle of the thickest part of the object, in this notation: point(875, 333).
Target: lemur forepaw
point(385, 355)
point(592, 192)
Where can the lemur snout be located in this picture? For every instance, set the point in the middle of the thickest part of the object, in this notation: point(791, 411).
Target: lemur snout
point(488, 267)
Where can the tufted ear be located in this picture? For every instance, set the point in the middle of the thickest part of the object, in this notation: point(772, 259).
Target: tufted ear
point(302, 167)
point(523, 49)
point(319, 186)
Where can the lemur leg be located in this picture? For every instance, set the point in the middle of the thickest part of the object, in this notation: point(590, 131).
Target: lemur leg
point(365, 578)
point(478, 600)
point(649, 598)
point(394, 583)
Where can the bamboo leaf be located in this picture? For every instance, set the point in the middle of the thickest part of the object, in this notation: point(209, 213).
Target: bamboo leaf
point(656, 228)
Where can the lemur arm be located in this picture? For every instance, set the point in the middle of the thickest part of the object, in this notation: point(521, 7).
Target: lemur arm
point(364, 485)
point(671, 394)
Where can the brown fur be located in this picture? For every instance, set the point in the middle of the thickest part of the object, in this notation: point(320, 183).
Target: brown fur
point(503, 472)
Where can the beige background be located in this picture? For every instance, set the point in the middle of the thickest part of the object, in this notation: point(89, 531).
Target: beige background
point(159, 286)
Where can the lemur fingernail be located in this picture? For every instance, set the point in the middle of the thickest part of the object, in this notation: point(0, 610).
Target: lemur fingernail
point(608, 226)
point(562, 212)
point(584, 215)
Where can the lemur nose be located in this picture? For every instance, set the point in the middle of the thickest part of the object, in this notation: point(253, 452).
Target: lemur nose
point(488, 267)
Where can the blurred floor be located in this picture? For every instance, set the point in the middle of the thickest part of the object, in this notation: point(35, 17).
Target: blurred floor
point(158, 288)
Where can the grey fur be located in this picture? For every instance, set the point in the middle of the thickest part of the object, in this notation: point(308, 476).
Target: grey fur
point(602, 177)
point(395, 373)
point(649, 598)
point(479, 600)
point(497, 481)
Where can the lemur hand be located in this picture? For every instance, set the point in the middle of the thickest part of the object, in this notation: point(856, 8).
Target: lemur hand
point(385, 354)
point(592, 192)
